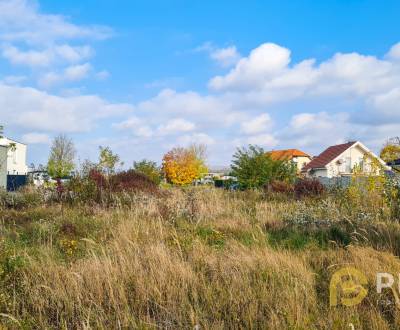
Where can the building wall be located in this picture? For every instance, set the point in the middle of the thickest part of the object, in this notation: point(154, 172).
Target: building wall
point(301, 162)
point(16, 160)
point(354, 156)
point(3, 167)
point(318, 173)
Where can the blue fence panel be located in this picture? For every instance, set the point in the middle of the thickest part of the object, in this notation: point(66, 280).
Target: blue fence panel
point(16, 181)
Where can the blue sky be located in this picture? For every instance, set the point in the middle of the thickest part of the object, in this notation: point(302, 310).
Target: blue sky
point(144, 76)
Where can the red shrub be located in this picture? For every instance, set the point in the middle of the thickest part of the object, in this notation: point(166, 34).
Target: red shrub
point(98, 178)
point(123, 181)
point(132, 181)
point(281, 187)
point(308, 187)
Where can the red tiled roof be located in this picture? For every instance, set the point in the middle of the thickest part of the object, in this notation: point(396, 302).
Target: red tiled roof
point(328, 155)
point(287, 154)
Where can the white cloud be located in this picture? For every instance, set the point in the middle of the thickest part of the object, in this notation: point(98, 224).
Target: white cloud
point(257, 125)
point(264, 62)
point(176, 125)
point(21, 20)
point(13, 80)
point(225, 56)
point(394, 52)
point(32, 109)
point(30, 57)
point(136, 126)
point(35, 138)
point(77, 72)
point(199, 138)
point(264, 140)
point(70, 74)
point(50, 44)
point(348, 96)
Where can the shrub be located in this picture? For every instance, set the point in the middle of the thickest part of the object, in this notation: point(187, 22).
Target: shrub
point(254, 168)
point(308, 188)
point(282, 187)
point(148, 168)
point(132, 181)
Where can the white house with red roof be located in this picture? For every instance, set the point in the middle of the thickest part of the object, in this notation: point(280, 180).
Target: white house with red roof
point(342, 159)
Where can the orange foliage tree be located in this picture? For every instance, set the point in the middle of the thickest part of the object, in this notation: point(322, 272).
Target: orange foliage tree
point(181, 166)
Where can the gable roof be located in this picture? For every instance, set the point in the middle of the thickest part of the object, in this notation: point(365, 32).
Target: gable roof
point(328, 155)
point(287, 154)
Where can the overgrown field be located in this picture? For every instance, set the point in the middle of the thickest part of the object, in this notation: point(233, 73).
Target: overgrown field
point(193, 258)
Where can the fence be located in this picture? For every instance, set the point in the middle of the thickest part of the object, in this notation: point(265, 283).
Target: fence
point(16, 181)
point(340, 182)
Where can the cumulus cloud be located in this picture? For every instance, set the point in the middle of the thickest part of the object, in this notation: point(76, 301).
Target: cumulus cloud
point(32, 109)
point(199, 138)
point(46, 57)
point(257, 125)
point(57, 49)
point(264, 62)
point(265, 99)
point(35, 138)
point(72, 73)
point(13, 80)
point(21, 20)
point(225, 56)
point(136, 126)
point(176, 126)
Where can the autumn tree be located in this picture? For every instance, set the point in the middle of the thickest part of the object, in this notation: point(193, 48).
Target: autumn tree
point(62, 155)
point(391, 150)
point(181, 166)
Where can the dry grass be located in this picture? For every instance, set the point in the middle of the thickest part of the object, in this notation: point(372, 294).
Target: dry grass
point(204, 257)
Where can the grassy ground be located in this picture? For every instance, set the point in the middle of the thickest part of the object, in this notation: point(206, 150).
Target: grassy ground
point(186, 258)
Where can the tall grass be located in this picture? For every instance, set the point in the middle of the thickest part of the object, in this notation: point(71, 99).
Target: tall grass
point(193, 258)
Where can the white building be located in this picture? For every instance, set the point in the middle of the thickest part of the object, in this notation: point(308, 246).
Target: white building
point(16, 156)
point(3, 167)
point(341, 160)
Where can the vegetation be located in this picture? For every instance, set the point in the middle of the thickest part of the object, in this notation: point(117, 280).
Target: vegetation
point(108, 161)
point(181, 166)
point(150, 169)
point(391, 150)
point(254, 168)
point(61, 159)
point(116, 251)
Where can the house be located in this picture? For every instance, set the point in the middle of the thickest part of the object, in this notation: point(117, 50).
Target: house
point(298, 157)
point(16, 157)
point(3, 167)
point(340, 160)
point(15, 163)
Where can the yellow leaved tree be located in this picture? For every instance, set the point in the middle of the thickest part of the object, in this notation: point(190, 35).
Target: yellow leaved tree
point(391, 150)
point(181, 166)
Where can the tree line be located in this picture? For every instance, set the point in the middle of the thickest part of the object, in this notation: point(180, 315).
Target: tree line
point(252, 165)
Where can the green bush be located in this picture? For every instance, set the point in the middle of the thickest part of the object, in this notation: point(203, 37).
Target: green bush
point(254, 168)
